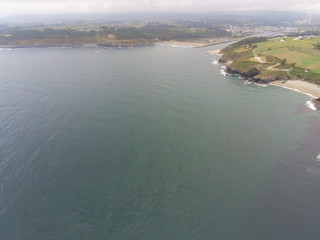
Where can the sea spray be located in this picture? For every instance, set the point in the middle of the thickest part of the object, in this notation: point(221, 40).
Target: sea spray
point(312, 106)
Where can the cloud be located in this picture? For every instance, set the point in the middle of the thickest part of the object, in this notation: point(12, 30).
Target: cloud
point(92, 6)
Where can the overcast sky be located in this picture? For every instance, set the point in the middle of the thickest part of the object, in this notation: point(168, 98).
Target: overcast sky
point(13, 7)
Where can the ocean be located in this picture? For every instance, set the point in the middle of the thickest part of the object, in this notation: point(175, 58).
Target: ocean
point(151, 143)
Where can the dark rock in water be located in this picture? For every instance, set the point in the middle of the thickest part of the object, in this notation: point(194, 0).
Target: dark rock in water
point(253, 74)
point(248, 74)
point(316, 102)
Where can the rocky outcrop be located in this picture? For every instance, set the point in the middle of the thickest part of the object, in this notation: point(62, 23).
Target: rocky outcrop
point(248, 74)
point(251, 75)
point(254, 75)
point(316, 102)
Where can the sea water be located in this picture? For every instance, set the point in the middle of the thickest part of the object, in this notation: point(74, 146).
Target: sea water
point(151, 143)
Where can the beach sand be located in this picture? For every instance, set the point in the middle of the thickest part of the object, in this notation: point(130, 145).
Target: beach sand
point(198, 43)
point(300, 86)
point(215, 52)
point(186, 44)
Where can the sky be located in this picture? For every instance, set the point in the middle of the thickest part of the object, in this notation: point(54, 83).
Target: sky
point(26, 7)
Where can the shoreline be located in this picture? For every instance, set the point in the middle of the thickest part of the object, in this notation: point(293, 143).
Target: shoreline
point(194, 44)
point(80, 45)
point(297, 85)
point(213, 52)
point(303, 87)
point(300, 86)
point(175, 43)
point(242, 59)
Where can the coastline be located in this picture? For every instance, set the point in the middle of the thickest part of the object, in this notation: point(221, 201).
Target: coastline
point(114, 44)
point(254, 74)
point(195, 43)
point(192, 43)
point(310, 89)
point(175, 43)
point(214, 52)
point(301, 86)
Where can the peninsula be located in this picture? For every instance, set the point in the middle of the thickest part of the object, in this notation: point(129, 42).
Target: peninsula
point(291, 62)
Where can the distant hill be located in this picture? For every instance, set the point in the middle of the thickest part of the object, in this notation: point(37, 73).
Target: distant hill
point(273, 18)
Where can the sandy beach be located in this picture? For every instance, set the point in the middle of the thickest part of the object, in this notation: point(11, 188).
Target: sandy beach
point(186, 44)
point(214, 52)
point(198, 43)
point(312, 90)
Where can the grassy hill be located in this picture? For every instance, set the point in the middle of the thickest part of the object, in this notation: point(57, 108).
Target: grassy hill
point(276, 58)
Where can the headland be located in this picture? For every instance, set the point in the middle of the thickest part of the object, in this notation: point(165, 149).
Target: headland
point(289, 62)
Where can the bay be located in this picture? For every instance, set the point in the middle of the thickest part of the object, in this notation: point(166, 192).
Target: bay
point(151, 143)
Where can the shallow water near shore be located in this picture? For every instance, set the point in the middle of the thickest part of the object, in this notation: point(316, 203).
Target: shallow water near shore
point(151, 143)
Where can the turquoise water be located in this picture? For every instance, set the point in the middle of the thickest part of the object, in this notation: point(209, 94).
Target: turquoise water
point(151, 143)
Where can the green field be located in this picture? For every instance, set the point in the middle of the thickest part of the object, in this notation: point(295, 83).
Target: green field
point(301, 52)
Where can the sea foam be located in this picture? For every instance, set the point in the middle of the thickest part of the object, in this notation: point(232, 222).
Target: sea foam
point(215, 62)
point(311, 105)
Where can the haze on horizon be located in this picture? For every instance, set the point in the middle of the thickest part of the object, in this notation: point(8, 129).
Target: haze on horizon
point(41, 7)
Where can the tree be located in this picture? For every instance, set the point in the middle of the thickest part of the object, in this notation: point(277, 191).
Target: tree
point(283, 61)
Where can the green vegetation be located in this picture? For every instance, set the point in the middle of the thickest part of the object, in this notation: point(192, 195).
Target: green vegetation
point(250, 41)
point(171, 32)
point(71, 37)
point(276, 58)
point(121, 35)
point(247, 43)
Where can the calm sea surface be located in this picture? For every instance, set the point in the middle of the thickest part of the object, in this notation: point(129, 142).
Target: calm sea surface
point(151, 143)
